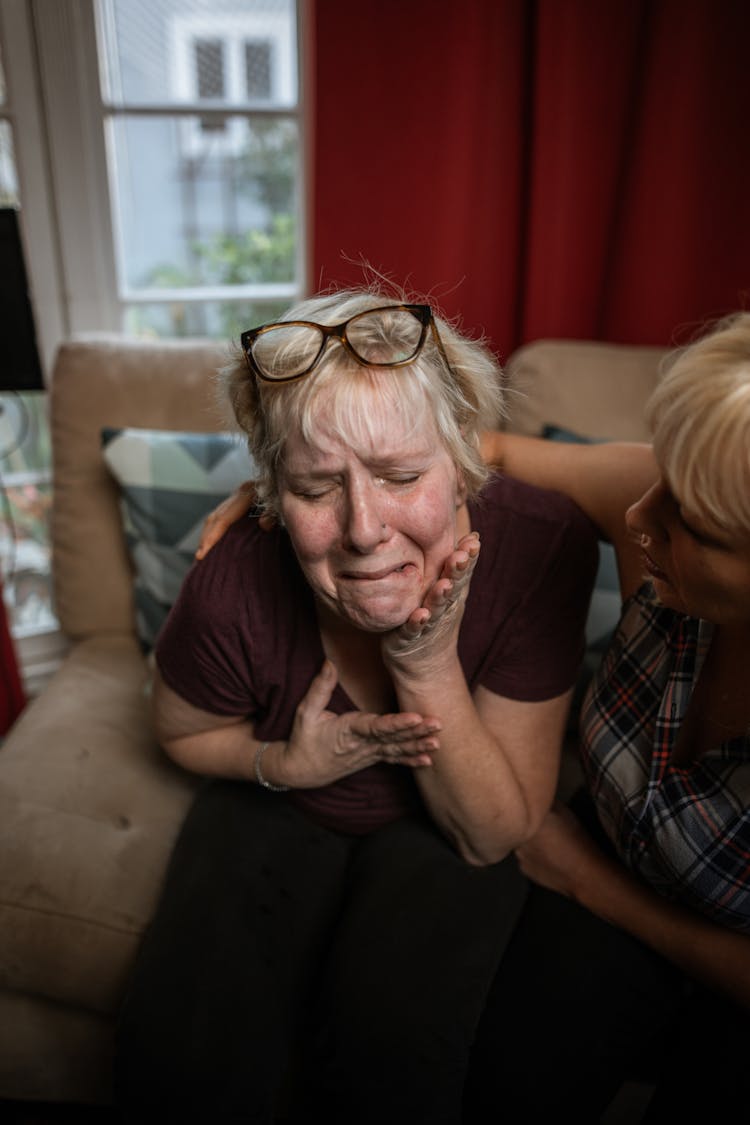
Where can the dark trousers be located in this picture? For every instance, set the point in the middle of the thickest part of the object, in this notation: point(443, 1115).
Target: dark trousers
point(348, 973)
point(578, 1007)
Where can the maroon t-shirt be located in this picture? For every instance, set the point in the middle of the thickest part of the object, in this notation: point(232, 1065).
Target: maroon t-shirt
point(243, 638)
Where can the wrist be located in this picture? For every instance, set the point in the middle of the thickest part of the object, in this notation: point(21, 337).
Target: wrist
point(262, 766)
point(602, 888)
point(416, 677)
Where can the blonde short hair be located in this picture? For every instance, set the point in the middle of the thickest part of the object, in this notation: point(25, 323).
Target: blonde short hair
point(461, 401)
point(699, 416)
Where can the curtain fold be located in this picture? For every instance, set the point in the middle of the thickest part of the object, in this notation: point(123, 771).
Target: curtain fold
point(551, 168)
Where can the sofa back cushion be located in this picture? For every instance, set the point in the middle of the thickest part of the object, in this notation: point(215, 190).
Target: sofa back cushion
point(112, 381)
point(595, 390)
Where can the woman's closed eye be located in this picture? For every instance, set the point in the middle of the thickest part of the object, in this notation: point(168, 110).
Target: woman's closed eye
point(397, 480)
point(704, 538)
point(316, 492)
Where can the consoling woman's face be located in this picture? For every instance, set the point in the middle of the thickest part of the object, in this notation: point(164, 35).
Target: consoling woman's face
point(695, 566)
point(371, 520)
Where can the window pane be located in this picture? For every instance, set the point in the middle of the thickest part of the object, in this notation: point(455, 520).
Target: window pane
point(199, 209)
point(8, 181)
point(152, 55)
point(209, 66)
point(24, 518)
point(258, 71)
point(25, 553)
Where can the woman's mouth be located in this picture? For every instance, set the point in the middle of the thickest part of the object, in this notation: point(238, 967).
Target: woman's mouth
point(378, 575)
point(654, 570)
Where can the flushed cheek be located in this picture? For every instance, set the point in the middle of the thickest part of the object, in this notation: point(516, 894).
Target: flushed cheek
point(316, 545)
point(700, 591)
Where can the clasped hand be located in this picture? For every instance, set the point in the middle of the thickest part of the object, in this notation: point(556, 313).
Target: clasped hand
point(324, 747)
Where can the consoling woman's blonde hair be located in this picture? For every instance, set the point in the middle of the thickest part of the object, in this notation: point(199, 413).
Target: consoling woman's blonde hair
point(462, 401)
point(699, 416)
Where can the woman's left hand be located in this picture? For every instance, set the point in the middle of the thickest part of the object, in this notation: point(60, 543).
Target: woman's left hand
point(562, 856)
point(431, 630)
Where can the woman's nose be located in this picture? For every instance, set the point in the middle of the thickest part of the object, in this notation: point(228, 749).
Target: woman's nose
point(644, 519)
point(365, 520)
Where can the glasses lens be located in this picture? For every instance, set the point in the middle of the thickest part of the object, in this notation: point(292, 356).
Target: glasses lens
point(385, 336)
point(286, 350)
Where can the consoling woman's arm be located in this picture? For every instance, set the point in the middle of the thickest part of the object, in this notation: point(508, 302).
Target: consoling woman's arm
point(603, 478)
point(564, 858)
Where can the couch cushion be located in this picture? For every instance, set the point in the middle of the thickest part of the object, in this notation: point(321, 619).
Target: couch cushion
point(169, 483)
point(597, 390)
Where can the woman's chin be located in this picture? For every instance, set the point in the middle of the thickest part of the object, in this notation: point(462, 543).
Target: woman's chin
point(666, 593)
point(377, 616)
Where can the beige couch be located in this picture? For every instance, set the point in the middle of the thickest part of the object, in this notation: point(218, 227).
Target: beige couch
point(89, 807)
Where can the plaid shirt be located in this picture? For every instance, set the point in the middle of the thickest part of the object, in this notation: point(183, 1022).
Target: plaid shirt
point(685, 830)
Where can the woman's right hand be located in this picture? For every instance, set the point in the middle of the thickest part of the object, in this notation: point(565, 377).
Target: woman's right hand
point(218, 521)
point(324, 747)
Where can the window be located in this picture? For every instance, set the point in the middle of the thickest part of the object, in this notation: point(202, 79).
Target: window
point(155, 150)
point(25, 476)
point(200, 108)
point(160, 152)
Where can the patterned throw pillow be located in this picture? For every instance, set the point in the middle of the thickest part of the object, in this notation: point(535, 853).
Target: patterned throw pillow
point(169, 483)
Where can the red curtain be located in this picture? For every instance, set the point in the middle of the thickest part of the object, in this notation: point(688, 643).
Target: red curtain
point(557, 168)
point(12, 697)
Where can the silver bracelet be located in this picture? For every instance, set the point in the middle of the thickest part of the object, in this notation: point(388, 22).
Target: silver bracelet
point(259, 776)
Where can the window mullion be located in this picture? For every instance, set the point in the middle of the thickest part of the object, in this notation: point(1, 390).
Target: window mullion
point(66, 41)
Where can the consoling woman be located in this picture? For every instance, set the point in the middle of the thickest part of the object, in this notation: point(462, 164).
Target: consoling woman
point(632, 955)
point(376, 690)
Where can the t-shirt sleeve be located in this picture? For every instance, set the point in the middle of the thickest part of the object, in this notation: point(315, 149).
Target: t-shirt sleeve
point(548, 564)
point(203, 650)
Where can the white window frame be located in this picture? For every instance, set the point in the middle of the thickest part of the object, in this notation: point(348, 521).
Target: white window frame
point(55, 107)
point(59, 119)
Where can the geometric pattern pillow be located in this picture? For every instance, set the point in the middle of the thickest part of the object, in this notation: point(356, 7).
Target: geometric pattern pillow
point(169, 482)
